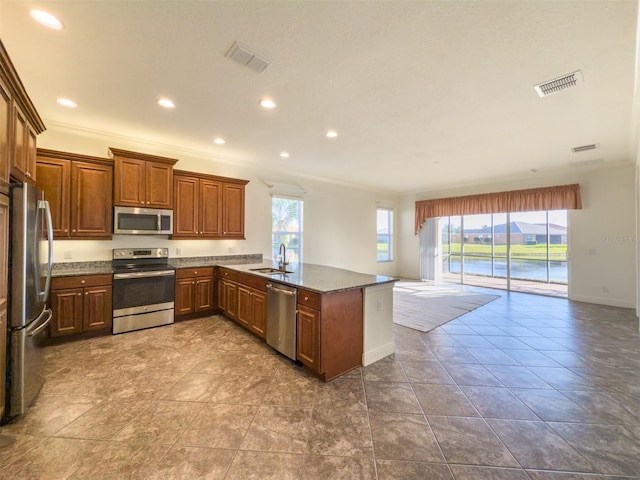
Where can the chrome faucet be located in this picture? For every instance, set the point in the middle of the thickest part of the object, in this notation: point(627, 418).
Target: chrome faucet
point(282, 255)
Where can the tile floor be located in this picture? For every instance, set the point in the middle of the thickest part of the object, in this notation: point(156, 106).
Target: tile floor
point(525, 387)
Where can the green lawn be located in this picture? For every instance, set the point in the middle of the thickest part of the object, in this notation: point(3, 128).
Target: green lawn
point(556, 252)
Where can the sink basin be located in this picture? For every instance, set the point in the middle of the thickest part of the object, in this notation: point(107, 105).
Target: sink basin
point(269, 270)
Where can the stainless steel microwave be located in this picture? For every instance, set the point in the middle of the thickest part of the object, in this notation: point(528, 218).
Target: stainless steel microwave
point(142, 221)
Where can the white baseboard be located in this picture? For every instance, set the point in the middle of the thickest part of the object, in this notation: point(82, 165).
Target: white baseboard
point(611, 302)
point(378, 353)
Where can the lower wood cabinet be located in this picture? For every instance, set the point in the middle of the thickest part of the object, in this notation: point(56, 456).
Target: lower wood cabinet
point(81, 304)
point(243, 298)
point(330, 332)
point(228, 298)
point(308, 331)
point(194, 291)
point(329, 337)
point(252, 310)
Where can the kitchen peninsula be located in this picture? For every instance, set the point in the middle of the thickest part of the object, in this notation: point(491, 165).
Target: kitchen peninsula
point(344, 318)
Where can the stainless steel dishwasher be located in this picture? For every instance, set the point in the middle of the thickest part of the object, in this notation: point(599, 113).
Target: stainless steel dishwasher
point(281, 318)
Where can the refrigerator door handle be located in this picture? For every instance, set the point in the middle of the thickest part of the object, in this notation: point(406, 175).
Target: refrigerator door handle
point(44, 205)
point(34, 329)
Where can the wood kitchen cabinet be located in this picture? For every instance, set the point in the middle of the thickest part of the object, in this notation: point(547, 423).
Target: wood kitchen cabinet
point(79, 190)
point(243, 298)
point(142, 180)
point(19, 125)
point(208, 206)
point(308, 337)
point(330, 332)
point(194, 292)
point(252, 310)
point(5, 131)
point(329, 337)
point(4, 291)
point(81, 304)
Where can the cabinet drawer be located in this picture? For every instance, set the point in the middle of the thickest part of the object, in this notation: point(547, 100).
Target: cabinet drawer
point(59, 283)
point(255, 281)
point(309, 299)
point(229, 274)
point(194, 272)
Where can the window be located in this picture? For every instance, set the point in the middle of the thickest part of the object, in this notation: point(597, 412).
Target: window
point(286, 228)
point(385, 235)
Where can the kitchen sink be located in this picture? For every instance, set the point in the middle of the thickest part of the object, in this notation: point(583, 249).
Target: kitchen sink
point(269, 270)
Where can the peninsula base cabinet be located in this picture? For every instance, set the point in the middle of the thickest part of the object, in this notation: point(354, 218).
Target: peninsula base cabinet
point(243, 298)
point(330, 332)
point(329, 325)
point(81, 305)
point(252, 310)
point(194, 292)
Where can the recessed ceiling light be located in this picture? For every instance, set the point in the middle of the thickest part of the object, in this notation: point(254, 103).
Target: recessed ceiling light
point(46, 19)
point(284, 154)
point(332, 134)
point(267, 103)
point(166, 103)
point(219, 141)
point(65, 102)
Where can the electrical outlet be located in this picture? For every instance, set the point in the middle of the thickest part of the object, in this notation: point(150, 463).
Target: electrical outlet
point(68, 254)
point(379, 304)
point(605, 289)
point(232, 249)
point(178, 251)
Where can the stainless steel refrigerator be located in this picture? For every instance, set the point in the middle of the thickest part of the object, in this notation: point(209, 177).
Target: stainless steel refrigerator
point(31, 254)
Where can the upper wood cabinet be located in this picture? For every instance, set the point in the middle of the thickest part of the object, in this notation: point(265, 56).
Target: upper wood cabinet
point(79, 190)
point(19, 125)
point(207, 206)
point(142, 180)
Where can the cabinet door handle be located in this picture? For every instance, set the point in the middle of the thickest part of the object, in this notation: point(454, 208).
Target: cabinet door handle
point(306, 299)
point(74, 230)
point(28, 175)
point(86, 293)
point(195, 273)
point(142, 202)
point(82, 281)
point(66, 230)
point(79, 294)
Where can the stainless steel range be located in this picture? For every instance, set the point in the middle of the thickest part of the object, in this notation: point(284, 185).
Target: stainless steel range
point(143, 288)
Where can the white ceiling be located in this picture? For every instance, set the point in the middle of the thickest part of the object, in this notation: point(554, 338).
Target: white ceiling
point(423, 94)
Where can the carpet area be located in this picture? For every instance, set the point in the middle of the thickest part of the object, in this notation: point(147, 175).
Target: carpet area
point(424, 306)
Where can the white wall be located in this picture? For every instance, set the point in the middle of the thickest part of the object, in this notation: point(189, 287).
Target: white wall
point(339, 220)
point(602, 240)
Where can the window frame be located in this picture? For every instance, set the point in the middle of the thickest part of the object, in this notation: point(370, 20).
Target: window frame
point(389, 235)
point(276, 235)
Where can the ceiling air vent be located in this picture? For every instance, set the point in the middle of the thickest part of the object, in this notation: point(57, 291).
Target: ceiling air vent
point(247, 57)
point(585, 148)
point(558, 84)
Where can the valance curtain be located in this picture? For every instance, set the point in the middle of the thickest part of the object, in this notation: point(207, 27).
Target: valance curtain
point(562, 197)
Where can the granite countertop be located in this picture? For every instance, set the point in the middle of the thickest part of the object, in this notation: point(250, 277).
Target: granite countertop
point(317, 278)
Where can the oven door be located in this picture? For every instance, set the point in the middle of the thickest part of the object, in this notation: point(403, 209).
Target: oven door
point(136, 292)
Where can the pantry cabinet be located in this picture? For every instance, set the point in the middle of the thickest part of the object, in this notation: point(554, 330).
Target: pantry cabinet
point(142, 180)
point(208, 206)
point(19, 125)
point(194, 292)
point(81, 304)
point(79, 191)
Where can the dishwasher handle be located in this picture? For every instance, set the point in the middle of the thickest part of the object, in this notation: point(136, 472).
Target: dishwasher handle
point(280, 290)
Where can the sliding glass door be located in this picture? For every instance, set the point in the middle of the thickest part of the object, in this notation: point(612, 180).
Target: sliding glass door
point(512, 251)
